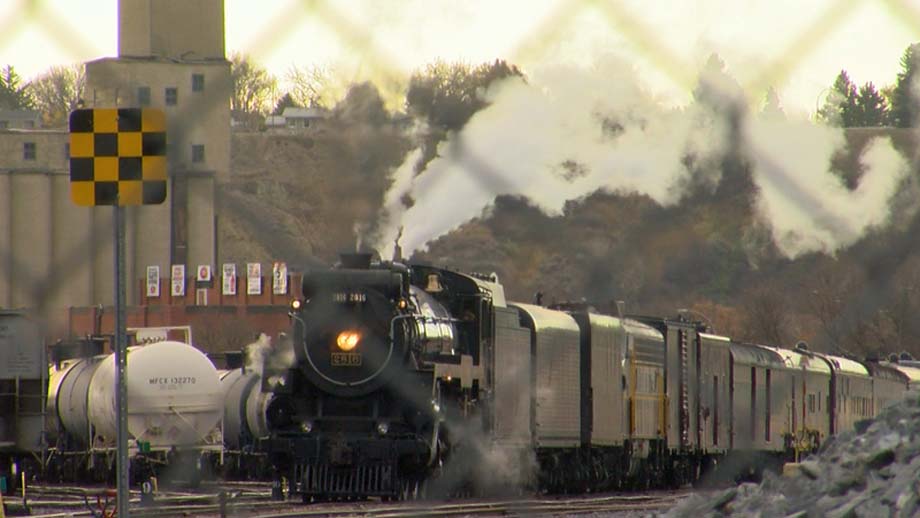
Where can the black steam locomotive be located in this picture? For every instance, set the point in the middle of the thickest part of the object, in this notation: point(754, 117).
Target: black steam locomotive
point(420, 379)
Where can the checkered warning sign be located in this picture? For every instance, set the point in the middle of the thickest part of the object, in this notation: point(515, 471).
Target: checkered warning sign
point(117, 156)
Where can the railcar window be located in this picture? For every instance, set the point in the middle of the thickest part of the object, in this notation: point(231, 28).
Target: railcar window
point(715, 410)
point(766, 431)
point(753, 403)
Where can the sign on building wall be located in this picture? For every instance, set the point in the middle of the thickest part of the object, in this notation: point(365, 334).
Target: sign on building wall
point(178, 280)
point(279, 278)
point(21, 347)
point(253, 278)
point(229, 279)
point(204, 273)
point(153, 281)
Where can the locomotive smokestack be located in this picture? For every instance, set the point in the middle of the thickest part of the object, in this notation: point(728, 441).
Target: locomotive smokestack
point(397, 250)
point(356, 260)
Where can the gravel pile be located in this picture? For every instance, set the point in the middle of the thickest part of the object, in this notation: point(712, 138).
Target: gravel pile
point(873, 471)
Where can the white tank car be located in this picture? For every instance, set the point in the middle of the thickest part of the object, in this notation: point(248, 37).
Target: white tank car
point(174, 397)
point(244, 407)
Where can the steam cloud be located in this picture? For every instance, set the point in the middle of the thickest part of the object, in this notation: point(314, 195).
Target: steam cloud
point(262, 357)
point(568, 132)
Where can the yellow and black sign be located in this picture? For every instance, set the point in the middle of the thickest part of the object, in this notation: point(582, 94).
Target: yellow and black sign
point(118, 156)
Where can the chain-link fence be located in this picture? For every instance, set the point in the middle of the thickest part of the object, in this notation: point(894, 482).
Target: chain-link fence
point(41, 264)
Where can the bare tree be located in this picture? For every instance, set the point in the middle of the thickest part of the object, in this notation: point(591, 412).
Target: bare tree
point(252, 91)
point(316, 86)
point(766, 316)
point(895, 328)
point(57, 92)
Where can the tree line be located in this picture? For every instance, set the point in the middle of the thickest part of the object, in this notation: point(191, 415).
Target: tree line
point(444, 94)
point(849, 105)
point(54, 93)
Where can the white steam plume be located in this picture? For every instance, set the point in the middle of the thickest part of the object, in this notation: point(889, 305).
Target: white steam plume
point(808, 208)
point(261, 355)
point(568, 132)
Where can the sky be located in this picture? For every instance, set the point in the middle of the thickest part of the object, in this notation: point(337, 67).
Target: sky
point(795, 46)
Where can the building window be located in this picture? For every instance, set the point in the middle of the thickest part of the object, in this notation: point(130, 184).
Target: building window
point(197, 82)
point(172, 96)
point(197, 152)
point(143, 95)
point(28, 150)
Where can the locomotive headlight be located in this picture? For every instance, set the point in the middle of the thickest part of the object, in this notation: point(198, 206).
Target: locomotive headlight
point(383, 428)
point(402, 304)
point(348, 340)
point(296, 304)
point(306, 426)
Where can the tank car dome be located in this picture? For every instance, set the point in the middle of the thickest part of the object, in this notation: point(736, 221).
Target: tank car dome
point(174, 396)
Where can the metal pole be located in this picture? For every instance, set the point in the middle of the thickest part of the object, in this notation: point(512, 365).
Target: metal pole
point(121, 357)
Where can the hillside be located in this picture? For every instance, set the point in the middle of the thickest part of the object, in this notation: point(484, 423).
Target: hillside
point(299, 198)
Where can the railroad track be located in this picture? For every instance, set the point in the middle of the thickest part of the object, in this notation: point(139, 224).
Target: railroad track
point(255, 503)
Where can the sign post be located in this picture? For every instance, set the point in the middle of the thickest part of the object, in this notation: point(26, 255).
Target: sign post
point(118, 158)
point(121, 362)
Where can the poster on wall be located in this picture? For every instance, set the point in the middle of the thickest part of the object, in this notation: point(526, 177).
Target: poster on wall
point(178, 280)
point(279, 278)
point(204, 273)
point(229, 278)
point(153, 281)
point(253, 278)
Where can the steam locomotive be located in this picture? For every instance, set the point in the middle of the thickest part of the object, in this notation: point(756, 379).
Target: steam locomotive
point(417, 379)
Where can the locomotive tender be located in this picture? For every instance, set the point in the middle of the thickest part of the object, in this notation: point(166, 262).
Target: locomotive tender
point(415, 377)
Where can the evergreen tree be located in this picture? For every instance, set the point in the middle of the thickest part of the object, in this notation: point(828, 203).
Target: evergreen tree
point(904, 99)
point(286, 101)
point(772, 109)
point(13, 94)
point(840, 107)
point(872, 107)
point(716, 89)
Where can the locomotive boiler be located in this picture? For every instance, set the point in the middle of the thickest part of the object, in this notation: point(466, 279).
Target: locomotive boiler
point(384, 356)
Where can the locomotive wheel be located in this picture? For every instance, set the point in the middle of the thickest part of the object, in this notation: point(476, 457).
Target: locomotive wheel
point(409, 489)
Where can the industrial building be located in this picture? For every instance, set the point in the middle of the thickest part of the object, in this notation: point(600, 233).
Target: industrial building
point(55, 255)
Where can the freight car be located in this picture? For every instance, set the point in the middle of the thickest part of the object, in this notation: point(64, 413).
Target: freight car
point(57, 415)
point(244, 413)
point(174, 412)
point(414, 378)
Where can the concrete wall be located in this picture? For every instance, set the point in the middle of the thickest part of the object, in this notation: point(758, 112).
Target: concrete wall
point(198, 118)
point(171, 28)
point(31, 237)
point(6, 241)
point(55, 254)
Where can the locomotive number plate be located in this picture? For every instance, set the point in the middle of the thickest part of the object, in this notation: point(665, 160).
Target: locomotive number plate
point(349, 297)
point(346, 359)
